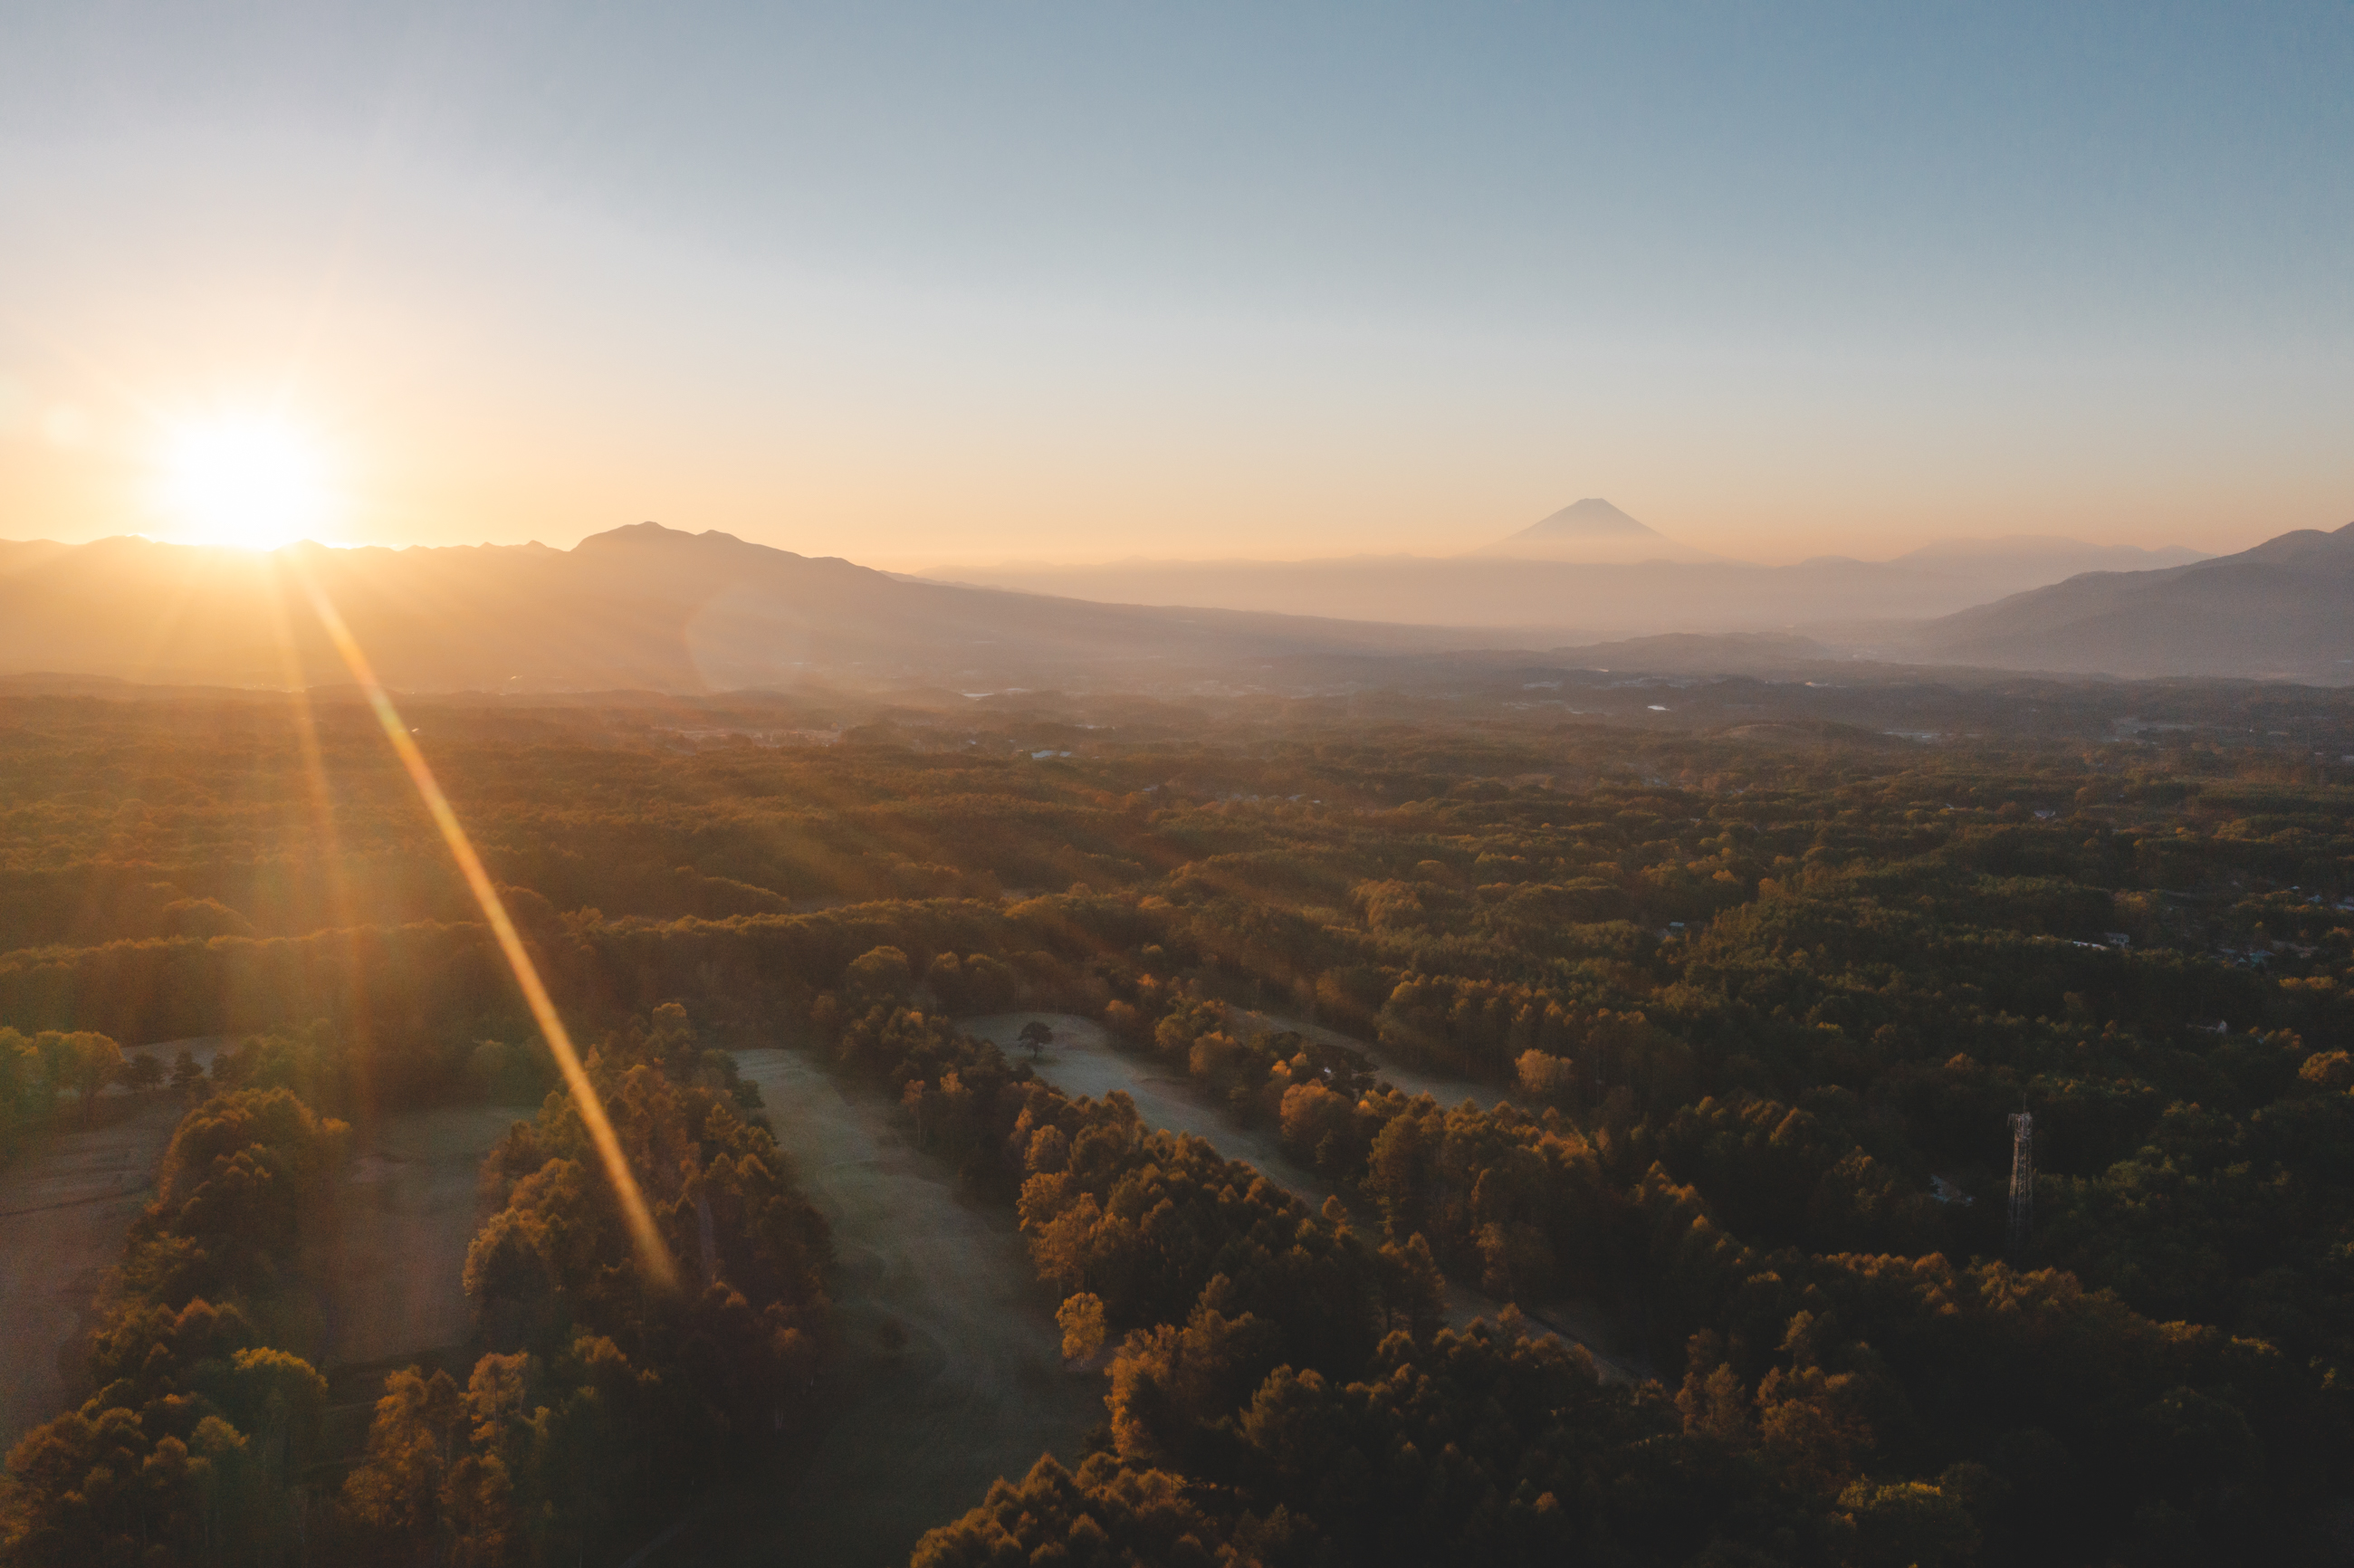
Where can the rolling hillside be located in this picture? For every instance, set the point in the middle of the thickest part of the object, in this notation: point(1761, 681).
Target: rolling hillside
point(2283, 609)
point(644, 607)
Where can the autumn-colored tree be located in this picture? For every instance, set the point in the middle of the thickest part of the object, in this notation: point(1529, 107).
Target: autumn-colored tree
point(1081, 1319)
point(1414, 1292)
point(880, 977)
point(193, 1445)
point(91, 1063)
point(1547, 1079)
point(398, 1491)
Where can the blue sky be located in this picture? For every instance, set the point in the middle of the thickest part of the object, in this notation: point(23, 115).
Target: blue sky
point(974, 282)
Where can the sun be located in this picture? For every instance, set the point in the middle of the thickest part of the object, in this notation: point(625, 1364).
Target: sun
point(249, 482)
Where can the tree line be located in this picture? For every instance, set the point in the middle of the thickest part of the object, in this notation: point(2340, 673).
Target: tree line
point(1759, 1016)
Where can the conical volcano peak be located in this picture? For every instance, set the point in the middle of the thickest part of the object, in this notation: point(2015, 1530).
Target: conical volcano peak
point(1595, 532)
point(1592, 517)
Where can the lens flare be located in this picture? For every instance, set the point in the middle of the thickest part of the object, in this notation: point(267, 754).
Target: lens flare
point(653, 1255)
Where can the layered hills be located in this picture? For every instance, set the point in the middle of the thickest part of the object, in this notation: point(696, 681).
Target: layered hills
point(651, 607)
point(642, 606)
point(1591, 571)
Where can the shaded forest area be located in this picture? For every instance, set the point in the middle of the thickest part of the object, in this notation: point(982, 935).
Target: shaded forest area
point(1762, 1004)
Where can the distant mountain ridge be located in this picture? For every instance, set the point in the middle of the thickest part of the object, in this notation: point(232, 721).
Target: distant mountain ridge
point(656, 608)
point(641, 607)
point(2075, 554)
point(2285, 608)
point(1653, 592)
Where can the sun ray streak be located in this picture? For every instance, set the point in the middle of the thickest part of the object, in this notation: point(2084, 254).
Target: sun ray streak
point(653, 1255)
point(323, 816)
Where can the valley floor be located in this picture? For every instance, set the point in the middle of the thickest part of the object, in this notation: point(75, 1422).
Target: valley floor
point(975, 1390)
point(394, 1267)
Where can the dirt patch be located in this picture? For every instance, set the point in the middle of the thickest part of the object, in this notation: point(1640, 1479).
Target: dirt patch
point(393, 1269)
point(962, 1380)
point(64, 1211)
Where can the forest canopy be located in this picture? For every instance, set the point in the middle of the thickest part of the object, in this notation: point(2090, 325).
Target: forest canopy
point(1739, 1024)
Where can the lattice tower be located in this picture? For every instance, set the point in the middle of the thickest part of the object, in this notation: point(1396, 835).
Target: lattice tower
point(2023, 1178)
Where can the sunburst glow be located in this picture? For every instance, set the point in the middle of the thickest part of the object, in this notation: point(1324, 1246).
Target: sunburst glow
point(251, 481)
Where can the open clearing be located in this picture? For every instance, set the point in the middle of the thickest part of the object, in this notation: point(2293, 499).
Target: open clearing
point(977, 1392)
point(394, 1266)
point(1082, 1060)
point(1446, 1090)
point(64, 1210)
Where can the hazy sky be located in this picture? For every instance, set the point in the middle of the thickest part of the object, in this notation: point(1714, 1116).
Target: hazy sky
point(916, 284)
